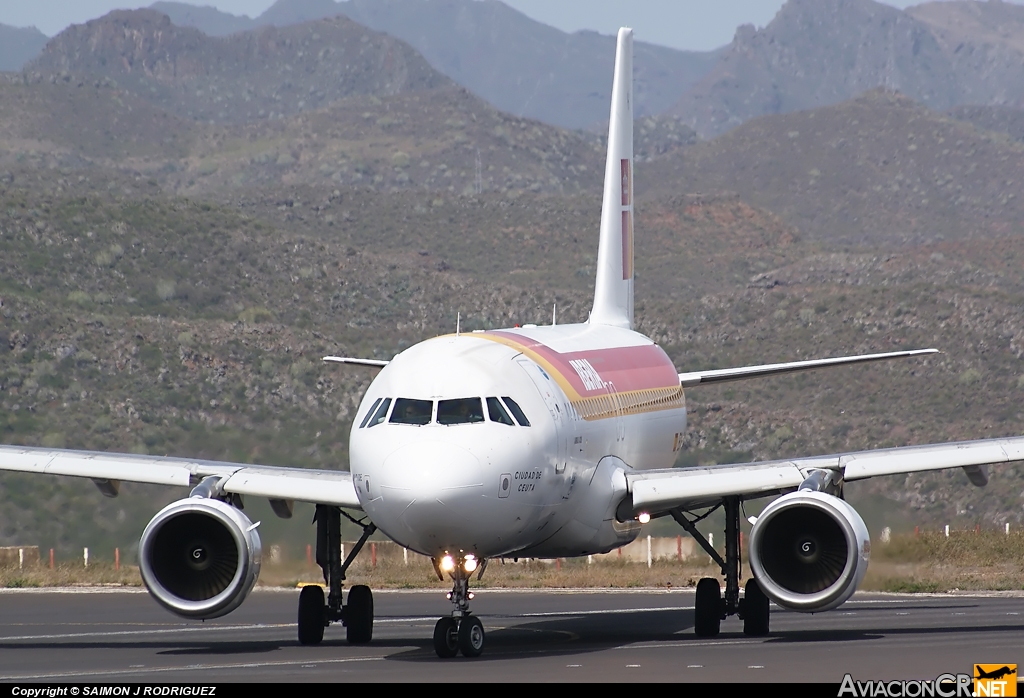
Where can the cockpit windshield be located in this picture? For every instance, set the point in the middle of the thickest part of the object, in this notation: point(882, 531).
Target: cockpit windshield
point(520, 416)
point(379, 415)
point(497, 413)
point(409, 411)
point(466, 410)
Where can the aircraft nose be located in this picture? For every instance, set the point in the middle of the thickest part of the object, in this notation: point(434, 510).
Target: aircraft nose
point(429, 470)
point(430, 493)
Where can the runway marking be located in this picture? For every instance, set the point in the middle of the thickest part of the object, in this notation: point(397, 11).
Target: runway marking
point(756, 666)
point(182, 629)
point(694, 666)
point(161, 631)
point(187, 667)
point(712, 643)
point(549, 614)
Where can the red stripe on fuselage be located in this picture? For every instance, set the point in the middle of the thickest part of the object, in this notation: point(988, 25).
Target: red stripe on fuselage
point(621, 369)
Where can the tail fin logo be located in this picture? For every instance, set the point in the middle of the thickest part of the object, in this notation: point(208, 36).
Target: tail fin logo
point(627, 183)
point(627, 219)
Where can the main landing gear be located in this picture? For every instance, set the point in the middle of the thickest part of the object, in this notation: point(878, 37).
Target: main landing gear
point(459, 632)
point(710, 608)
point(316, 613)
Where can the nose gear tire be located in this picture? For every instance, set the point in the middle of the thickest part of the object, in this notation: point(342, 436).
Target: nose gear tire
point(446, 638)
point(471, 637)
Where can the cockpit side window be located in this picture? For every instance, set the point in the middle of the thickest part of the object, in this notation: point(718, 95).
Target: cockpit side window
point(369, 413)
point(497, 413)
point(409, 411)
point(466, 410)
point(382, 412)
point(516, 411)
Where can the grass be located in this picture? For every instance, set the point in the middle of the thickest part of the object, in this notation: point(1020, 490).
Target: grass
point(66, 575)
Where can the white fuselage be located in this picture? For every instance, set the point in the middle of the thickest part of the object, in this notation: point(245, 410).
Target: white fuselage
point(599, 401)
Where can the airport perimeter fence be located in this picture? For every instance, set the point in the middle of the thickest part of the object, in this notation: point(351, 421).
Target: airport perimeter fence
point(645, 549)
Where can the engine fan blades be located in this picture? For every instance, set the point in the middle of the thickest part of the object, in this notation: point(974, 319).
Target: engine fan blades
point(195, 556)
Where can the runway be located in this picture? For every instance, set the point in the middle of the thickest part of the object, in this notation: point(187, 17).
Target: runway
point(124, 636)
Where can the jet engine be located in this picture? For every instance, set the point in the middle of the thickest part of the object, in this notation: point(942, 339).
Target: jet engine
point(200, 557)
point(809, 551)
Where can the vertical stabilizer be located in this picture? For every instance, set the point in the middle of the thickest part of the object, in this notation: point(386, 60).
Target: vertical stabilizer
point(613, 296)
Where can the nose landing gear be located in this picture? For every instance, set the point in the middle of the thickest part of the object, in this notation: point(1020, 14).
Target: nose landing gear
point(459, 632)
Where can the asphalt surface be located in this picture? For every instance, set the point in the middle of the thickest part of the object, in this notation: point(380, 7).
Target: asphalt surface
point(88, 636)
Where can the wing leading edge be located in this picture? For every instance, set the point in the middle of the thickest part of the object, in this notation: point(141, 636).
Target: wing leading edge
point(655, 491)
point(108, 470)
point(723, 375)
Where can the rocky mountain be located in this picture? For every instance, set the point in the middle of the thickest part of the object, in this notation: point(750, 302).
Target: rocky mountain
point(527, 68)
point(19, 45)
point(517, 64)
point(206, 18)
point(820, 52)
point(878, 168)
point(1002, 119)
point(263, 74)
point(444, 140)
point(984, 42)
point(285, 12)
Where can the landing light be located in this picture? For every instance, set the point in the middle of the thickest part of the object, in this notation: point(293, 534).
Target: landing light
point(447, 563)
point(470, 564)
point(644, 517)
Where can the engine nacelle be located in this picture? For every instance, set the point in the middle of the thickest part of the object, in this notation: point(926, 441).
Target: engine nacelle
point(809, 551)
point(200, 557)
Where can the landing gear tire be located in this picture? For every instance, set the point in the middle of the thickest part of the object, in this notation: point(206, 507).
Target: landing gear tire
point(707, 620)
point(446, 638)
point(312, 616)
point(471, 637)
point(359, 615)
point(755, 610)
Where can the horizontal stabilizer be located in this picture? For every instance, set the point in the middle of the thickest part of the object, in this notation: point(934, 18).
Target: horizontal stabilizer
point(369, 363)
point(724, 375)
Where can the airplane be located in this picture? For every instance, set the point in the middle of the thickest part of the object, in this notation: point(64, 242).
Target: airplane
point(535, 441)
point(995, 673)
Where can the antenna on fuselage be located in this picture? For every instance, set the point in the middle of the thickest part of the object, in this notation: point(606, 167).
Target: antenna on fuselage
point(554, 314)
point(458, 323)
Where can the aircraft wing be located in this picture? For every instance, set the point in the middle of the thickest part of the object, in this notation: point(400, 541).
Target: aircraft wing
point(656, 491)
point(723, 375)
point(108, 470)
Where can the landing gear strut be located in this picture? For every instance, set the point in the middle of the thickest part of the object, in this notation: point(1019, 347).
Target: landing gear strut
point(710, 608)
point(316, 613)
point(459, 632)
